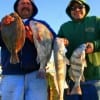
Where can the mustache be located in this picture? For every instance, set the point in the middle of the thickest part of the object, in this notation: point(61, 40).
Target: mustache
point(25, 8)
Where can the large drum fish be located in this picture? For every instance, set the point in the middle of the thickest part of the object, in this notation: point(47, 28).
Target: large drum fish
point(78, 63)
point(43, 40)
point(13, 35)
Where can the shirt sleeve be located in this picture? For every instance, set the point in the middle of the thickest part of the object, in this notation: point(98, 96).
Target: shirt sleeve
point(97, 42)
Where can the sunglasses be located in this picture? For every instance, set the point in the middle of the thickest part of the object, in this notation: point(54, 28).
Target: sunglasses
point(75, 7)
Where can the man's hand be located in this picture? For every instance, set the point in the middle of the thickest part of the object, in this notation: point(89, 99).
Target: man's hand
point(41, 74)
point(7, 20)
point(29, 34)
point(65, 41)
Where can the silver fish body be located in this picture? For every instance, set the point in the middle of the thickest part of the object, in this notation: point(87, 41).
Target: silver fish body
point(44, 45)
point(78, 63)
point(52, 79)
point(60, 65)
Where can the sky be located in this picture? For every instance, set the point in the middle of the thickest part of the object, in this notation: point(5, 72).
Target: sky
point(51, 11)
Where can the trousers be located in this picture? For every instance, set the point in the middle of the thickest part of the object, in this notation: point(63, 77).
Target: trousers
point(24, 87)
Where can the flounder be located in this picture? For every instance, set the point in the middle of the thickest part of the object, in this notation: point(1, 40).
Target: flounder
point(13, 35)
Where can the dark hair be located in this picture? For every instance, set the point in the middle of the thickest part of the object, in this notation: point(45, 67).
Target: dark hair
point(35, 11)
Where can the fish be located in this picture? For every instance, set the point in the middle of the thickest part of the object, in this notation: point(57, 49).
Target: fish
point(61, 62)
point(13, 35)
point(52, 79)
point(43, 40)
point(78, 63)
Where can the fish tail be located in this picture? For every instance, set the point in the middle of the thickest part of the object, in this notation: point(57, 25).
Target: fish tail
point(14, 58)
point(76, 90)
point(76, 74)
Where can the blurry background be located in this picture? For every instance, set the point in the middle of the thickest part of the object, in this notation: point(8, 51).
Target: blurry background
point(52, 11)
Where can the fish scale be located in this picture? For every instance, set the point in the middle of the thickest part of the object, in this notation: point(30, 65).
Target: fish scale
point(61, 63)
point(76, 70)
point(44, 44)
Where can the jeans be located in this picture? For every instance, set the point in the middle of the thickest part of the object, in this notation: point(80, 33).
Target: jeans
point(96, 84)
point(24, 87)
point(90, 91)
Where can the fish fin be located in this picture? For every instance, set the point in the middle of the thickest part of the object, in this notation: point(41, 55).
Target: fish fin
point(66, 85)
point(14, 58)
point(82, 78)
point(76, 90)
point(67, 61)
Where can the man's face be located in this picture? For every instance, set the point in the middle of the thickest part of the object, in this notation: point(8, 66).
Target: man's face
point(78, 11)
point(25, 8)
